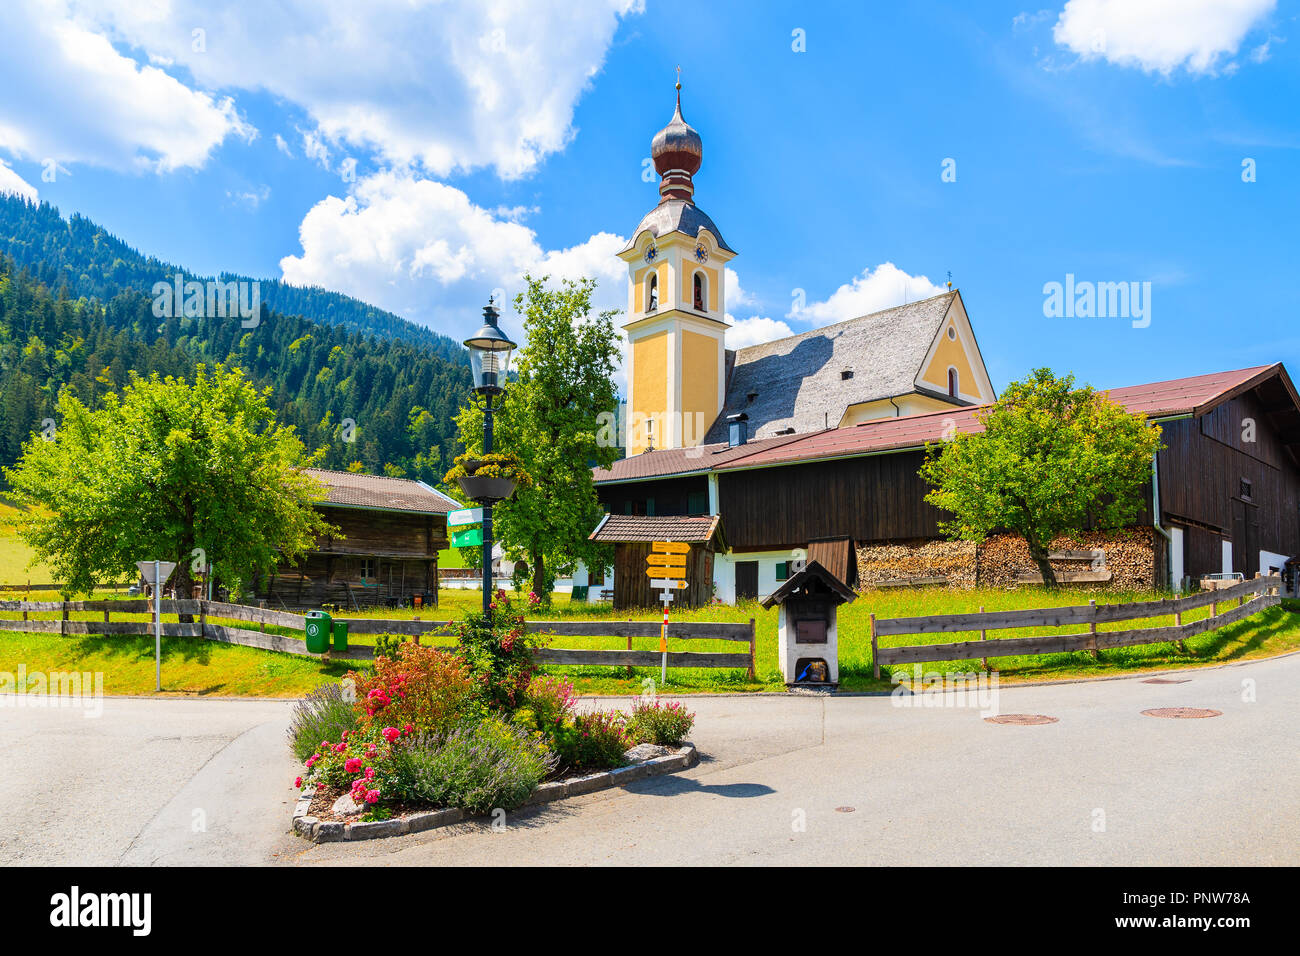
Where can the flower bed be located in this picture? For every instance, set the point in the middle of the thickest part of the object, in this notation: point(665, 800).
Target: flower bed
point(466, 731)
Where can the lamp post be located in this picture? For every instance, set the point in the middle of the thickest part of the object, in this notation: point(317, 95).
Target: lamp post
point(489, 360)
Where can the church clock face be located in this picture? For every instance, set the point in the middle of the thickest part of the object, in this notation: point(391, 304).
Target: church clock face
point(701, 254)
point(651, 254)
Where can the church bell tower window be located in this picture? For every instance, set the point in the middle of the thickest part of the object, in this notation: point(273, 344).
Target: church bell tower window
point(699, 293)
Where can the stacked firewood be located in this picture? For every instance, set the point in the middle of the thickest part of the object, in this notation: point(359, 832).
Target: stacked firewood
point(1123, 559)
point(921, 562)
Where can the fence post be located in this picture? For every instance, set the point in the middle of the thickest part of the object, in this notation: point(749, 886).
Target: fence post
point(1092, 630)
point(63, 625)
point(753, 651)
point(203, 618)
point(1178, 623)
point(984, 636)
point(875, 649)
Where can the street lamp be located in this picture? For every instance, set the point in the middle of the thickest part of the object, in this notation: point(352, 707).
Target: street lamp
point(489, 360)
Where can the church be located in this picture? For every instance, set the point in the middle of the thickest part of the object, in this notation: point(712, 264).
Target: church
point(808, 446)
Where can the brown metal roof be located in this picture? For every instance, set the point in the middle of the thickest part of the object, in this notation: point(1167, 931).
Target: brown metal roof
point(616, 529)
point(683, 461)
point(1183, 396)
point(345, 489)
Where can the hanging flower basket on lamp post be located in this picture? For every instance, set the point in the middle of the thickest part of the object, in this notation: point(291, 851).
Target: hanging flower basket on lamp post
point(488, 479)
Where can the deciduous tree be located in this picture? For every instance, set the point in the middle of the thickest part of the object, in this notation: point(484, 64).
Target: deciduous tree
point(1052, 459)
point(549, 419)
point(194, 472)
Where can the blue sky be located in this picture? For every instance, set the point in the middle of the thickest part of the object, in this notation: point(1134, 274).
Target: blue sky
point(421, 155)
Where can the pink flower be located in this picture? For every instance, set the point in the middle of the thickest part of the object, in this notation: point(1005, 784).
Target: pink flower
point(370, 773)
point(391, 733)
point(311, 761)
point(372, 796)
point(298, 783)
point(407, 730)
point(340, 748)
point(352, 765)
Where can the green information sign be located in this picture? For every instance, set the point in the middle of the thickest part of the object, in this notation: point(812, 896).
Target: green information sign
point(470, 537)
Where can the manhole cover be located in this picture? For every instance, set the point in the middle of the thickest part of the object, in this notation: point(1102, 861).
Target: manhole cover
point(1182, 712)
point(1168, 680)
point(845, 809)
point(1020, 719)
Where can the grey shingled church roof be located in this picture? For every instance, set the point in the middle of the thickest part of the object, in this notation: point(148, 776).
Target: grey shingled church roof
point(798, 381)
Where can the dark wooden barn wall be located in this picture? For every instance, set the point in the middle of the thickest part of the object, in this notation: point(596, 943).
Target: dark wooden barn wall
point(866, 499)
point(632, 584)
point(404, 548)
point(384, 533)
point(671, 496)
point(1201, 470)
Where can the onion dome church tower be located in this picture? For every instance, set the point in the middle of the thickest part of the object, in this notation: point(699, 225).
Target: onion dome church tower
point(676, 263)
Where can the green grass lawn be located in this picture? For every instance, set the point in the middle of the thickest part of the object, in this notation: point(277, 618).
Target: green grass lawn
point(14, 554)
point(193, 666)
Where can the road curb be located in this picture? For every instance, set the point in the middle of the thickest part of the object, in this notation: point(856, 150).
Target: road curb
point(332, 831)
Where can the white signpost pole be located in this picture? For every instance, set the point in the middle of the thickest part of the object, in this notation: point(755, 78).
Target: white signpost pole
point(154, 569)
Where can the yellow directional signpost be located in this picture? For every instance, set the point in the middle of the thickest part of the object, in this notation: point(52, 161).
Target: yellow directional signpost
point(666, 567)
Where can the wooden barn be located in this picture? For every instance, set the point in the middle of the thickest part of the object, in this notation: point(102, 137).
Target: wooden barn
point(387, 554)
point(632, 537)
point(1225, 488)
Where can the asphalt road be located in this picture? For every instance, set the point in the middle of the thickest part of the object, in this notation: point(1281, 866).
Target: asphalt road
point(192, 781)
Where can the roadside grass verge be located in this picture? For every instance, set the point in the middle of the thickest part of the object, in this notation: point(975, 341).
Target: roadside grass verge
point(196, 667)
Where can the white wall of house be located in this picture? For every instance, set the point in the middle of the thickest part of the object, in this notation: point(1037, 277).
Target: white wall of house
point(581, 577)
point(1271, 559)
point(724, 571)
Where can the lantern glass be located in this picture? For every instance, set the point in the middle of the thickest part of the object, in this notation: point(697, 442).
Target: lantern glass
point(489, 367)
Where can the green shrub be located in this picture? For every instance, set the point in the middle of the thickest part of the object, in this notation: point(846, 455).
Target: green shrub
point(657, 722)
point(497, 647)
point(593, 741)
point(429, 689)
point(480, 767)
point(323, 714)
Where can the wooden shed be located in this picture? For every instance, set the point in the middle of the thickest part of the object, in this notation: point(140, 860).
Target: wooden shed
point(387, 553)
point(632, 537)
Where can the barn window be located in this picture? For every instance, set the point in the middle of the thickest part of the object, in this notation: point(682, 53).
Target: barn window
point(697, 503)
point(369, 568)
point(1246, 489)
point(846, 375)
point(952, 382)
point(699, 292)
point(782, 570)
point(652, 293)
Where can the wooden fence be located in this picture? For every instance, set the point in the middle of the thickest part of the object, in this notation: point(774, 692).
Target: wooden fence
point(209, 629)
point(29, 587)
point(1262, 593)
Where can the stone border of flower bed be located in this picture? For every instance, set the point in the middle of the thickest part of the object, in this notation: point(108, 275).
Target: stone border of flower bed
point(327, 831)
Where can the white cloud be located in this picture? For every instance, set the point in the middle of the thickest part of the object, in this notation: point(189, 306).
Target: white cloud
point(736, 295)
point(755, 331)
point(422, 249)
point(1159, 36)
point(251, 197)
point(13, 184)
point(72, 97)
point(882, 288)
point(446, 84)
point(314, 148)
point(283, 146)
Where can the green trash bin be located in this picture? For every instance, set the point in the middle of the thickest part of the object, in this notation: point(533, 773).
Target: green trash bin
point(318, 632)
point(340, 635)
